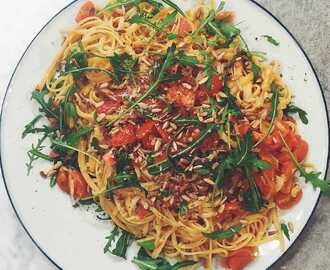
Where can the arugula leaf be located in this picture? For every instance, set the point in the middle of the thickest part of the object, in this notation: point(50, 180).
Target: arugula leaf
point(123, 64)
point(70, 111)
point(73, 138)
point(28, 128)
point(221, 234)
point(209, 69)
point(111, 6)
point(122, 244)
point(256, 72)
point(171, 36)
point(146, 244)
point(290, 109)
point(183, 207)
point(168, 20)
point(52, 181)
point(140, 19)
point(271, 40)
point(74, 61)
point(285, 230)
point(275, 101)
point(111, 238)
point(313, 177)
point(45, 106)
point(145, 262)
point(174, 6)
point(187, 121)
point(187, 60)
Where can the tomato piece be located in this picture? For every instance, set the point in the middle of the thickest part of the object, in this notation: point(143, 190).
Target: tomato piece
point(86, 10)
point(273, 142)
point(210, 142)
point(233, 206)
point(141, 212)
point(227, 16)
point(287, 169)
point(108, 107)
point(238, 259)
point(184, 27)
point(145, 129)
point(217, 85)
point(109, 159)
point(62, 179)
point(147, 142)
point(80, 187)
point(286, 201)
point(301, 150)
point(163, 133)
point(243, 127)
point(124, 136)
point(283, 157)
point(181, 96)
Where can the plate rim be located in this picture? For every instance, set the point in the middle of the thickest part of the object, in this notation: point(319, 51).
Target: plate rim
point(69, 5)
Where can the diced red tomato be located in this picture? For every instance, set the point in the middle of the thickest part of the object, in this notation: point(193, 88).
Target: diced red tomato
point(155, 102)
point(184, 27)
point(163, 133)
point(124, 136)
point(141, 212)
point(217, 85)
point(145, 129)
point(181, 96)
point(80, 187)
point(238, 259)
point(273, 142)
point(286, 201)
point(243, 127)
point(147, 142)
point(210, 142)
point(108, 107)
point(86, 10)
point(287, 169)
point(227, 16)
point(62, 179)
point(301, 150)
point(233, 206)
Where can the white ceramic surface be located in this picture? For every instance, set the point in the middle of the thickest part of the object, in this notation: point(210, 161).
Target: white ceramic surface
point(73, 238)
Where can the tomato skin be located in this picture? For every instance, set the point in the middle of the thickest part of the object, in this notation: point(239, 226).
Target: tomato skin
point(301, 150)
point(147, 142)
point(141, 212)
point(145, 129)
point(217, 85)
point(238, 259)
point(80, 186)
point(108, 107)
point(233, 206)
point(62, 179)
point(273, 142)
point(210, 142)
point(227, 16)
point(287, 169)
point(243, 127)
point(109, 159)
point(124, 136)
point(181, 96)
point(184, 27)
point(286, 201)
point(86, 10)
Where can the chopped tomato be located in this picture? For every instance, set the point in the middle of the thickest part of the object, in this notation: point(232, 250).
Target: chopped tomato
point(217, 85)
point(141, 212)
point(109, 159)
point(301, 150)
point(184, 27)
point(233, 206)
point(147, 142)
point(80, 187)
point(238, 259)
point(286, 201)
point(210, 142)
point(62, 179)
point(287, 169)
point(124, 136)
point(72, 178)
point(86, 10)
point(155, 102)
point(108, 107)
point(227, 16)
point(181, 96)
point(163, 133)
point(243, 127)
point(145, 129)
point(283, 157)
point(273, 142)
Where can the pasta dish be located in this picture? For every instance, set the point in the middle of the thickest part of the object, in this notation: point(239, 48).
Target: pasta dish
point(175, 130)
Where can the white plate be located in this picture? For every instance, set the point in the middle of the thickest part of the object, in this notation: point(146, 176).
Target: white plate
point(73, 238)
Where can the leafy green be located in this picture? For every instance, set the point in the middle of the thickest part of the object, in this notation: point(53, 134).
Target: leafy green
point(52, 181)
point(209, 69)
point(183, 207)
point(123, 64)
point(73, 138)
point(256, 72)
point(122, 243)
point(187, 121)
point(290, 109)
point(28, 128)
point(187, 60)
point(111, 6)
point(275, 100)
point(168, 20)
point(285, 230)
point(313, 177)
point(74, 61)
point(145, 262)
point(45, 106)
point(140, 19)
point(146, 244)
point(271, 40)
point(221, 234)
point(171, 36)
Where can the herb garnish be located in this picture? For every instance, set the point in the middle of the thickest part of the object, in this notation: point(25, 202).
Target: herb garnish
point(146, 244)
point(285, 230)
point(271, 40)
point(221, 234)
point(290, 109)
point(122, 243)
point(183, 207)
